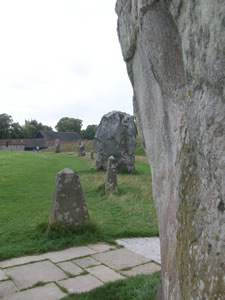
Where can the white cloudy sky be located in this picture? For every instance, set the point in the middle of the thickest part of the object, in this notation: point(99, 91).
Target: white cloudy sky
point(61, 58)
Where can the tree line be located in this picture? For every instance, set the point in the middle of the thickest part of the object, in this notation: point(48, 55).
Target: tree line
point(13, 130)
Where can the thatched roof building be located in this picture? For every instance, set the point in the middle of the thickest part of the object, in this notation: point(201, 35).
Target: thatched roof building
point(33, 143)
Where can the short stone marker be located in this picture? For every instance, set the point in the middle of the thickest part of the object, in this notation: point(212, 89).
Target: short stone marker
point(57, 146)
point(92, 154)
point(68, 204)
point(111, 176)
point(81, 149)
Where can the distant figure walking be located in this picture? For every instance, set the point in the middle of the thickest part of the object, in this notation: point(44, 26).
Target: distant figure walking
point(37, 148)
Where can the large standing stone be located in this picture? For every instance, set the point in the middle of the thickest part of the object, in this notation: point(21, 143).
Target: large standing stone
point(68, 203)
point(116, 135)
point(57, 146)
point(174, 51)
point(111, 176)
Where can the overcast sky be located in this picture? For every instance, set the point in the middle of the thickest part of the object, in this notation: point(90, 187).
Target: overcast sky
point(61, 58)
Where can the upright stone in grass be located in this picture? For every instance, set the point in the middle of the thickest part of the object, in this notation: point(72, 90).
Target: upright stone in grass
point(57, 146)
point(92, 154)
point(116, 135)
point(111, 176)
point(68, 204)
point(81, 149)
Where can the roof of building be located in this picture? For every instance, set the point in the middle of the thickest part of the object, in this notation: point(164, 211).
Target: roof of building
point(64, 136)
point(33, 143)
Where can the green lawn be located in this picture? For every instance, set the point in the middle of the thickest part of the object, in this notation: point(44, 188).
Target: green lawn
point(26, 186)
point(140, 287)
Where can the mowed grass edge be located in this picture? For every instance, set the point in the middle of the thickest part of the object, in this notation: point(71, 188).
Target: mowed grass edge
point(26, 186)
point(140, 287)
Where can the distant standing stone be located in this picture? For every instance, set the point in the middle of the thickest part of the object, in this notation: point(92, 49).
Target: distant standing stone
point(57, 146)
point(81, 149)
point(116, 135)
point(68, 204)
point(92, 154)
point(111, 176)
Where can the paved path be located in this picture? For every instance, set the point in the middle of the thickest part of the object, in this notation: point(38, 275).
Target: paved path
point(53, 275)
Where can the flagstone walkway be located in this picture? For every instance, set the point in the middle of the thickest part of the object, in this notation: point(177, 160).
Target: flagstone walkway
point(53, 275)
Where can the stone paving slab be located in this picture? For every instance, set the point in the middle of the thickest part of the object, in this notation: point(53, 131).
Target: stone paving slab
point(68, 254)
point(2, 275)
point(47, 292)
point(27, 275)
point(101, 247)
point(21, 260)
point(7, 288)
point(70, 268)
point(120, 258)
point(86, 262)
point(104, 273)
point(80, 284)
point(148, 268)
point(147, 247)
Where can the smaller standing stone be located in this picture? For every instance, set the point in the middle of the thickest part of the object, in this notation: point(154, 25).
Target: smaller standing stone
point(92, 154)
point(81, 149)
point(68, 204)
point(57, 146)
point(111, 176)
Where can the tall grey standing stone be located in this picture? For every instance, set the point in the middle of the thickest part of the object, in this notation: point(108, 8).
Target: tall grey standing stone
point(116, 136)
point(174, 51)
point(81, 149)
point(111, 176)
point(57, 146)
point(68, 204)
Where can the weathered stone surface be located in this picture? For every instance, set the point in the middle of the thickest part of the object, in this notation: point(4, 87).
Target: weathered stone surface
point(111, 176)
point(57, 146)
point(147, 247)
point(21, 260)
point(81, 284)
point(70, 268)
point(116, 136)
point(104, 273)
point(149, 268)
point(174, 52)
point(68, 254)
point(81, 149)
point(7, 288)
point(120, 259)
point(2, 275)
point(101, 247)
point(27, 275)
point(68, 203)
point(49, 291)
point(86, 262)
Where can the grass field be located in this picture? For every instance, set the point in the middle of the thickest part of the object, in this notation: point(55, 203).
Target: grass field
point(26, 186)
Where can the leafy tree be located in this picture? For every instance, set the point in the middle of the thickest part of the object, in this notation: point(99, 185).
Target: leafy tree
point(16, 131)
point(29, 131)
point(11, 130)
point(31, 128)
point(69, 125)
point(5, 126)
point(89, 133)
